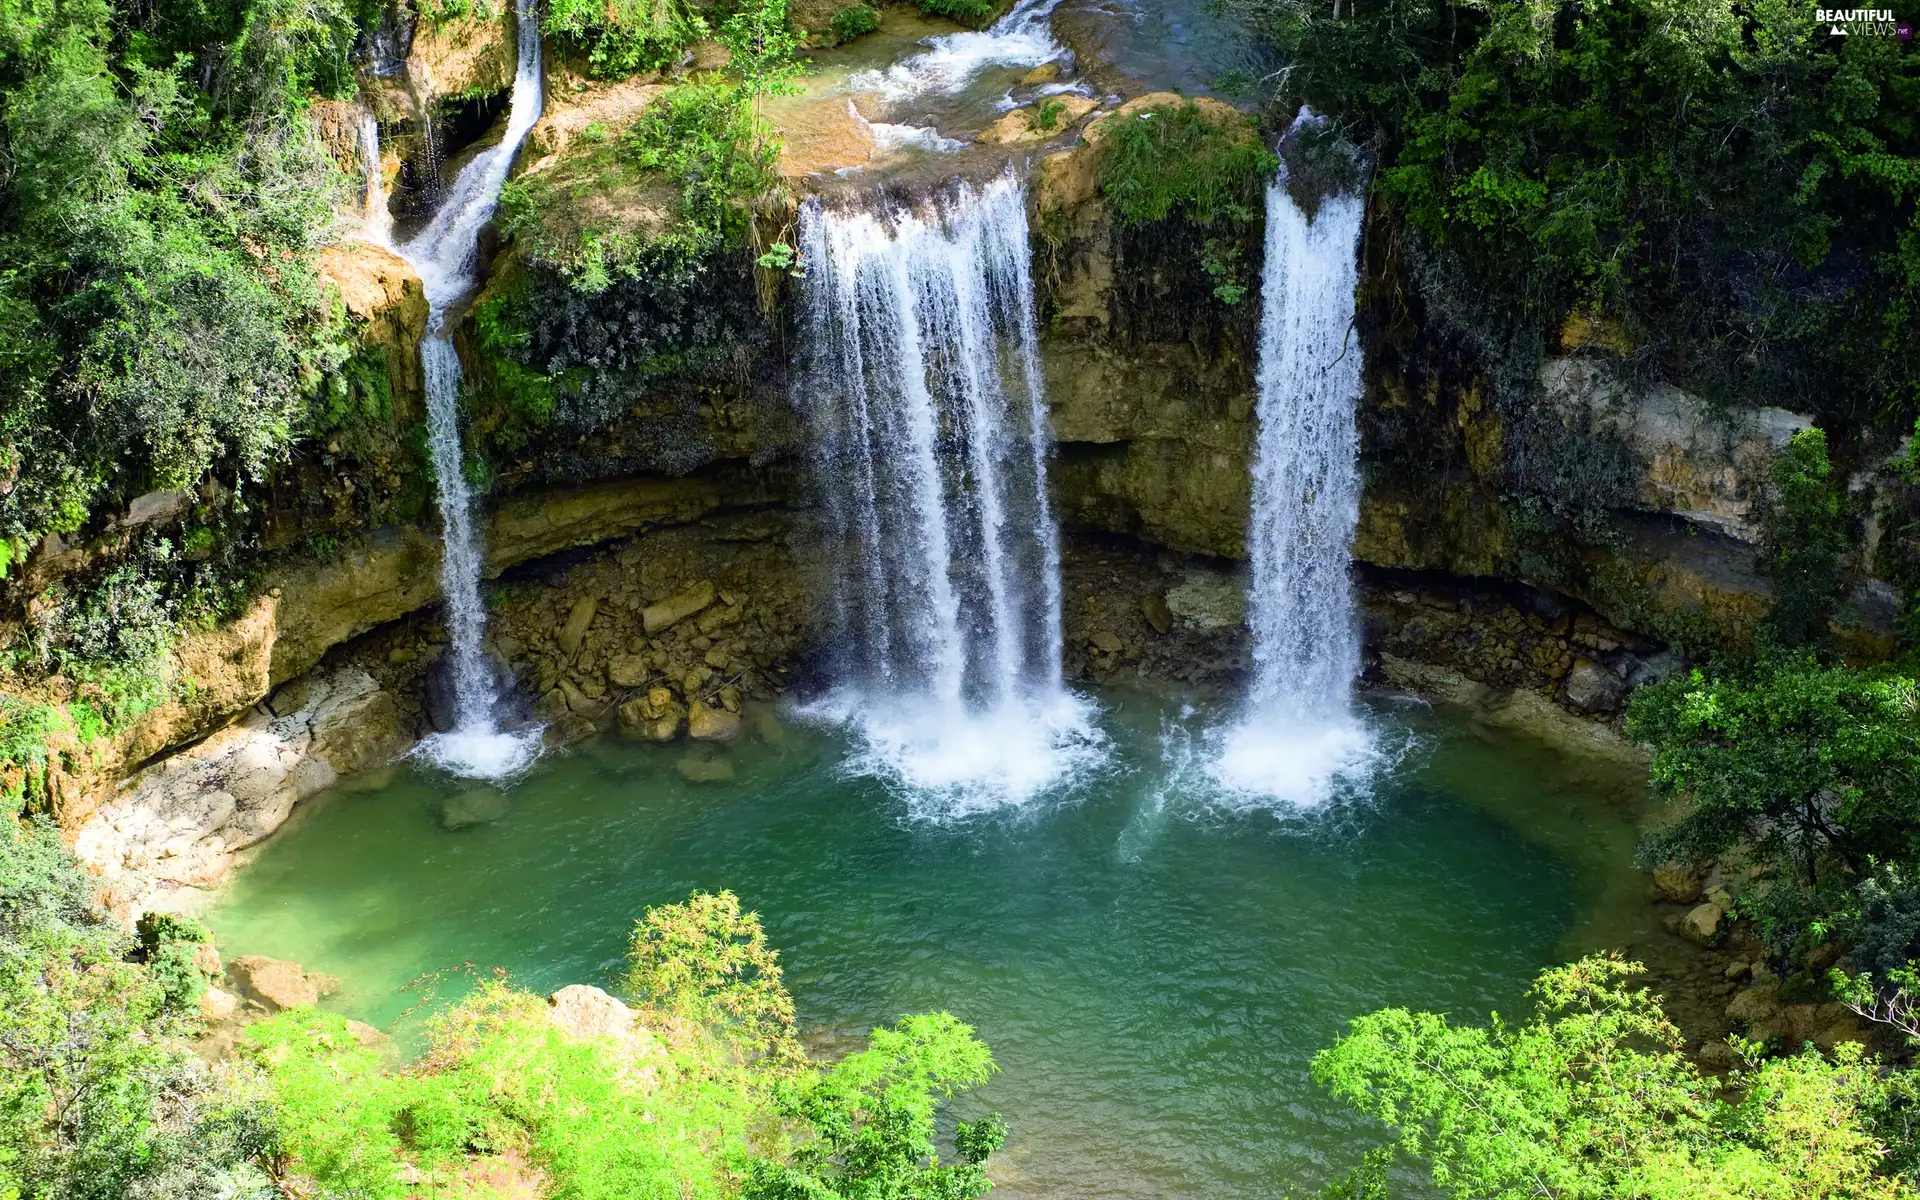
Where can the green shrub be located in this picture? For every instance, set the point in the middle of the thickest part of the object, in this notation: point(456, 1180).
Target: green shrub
point(622, 37)
point(854, 20)
point(1806, 539)
point(1594, 1095)
point(971, 13)
point(1179, 156)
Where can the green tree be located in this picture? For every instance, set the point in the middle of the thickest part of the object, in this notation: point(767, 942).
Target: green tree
point(706, 962)
point(1806, 539)
point(1812, 770)
point(870, 1121)
point(1593, 1098)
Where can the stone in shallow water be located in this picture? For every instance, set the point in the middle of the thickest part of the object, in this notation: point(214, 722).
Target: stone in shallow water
point(705, 768)
point(479, 806)
point(705, 724)
point(278, 984)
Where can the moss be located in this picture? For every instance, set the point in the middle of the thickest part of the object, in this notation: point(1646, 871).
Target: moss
point(1204, 161)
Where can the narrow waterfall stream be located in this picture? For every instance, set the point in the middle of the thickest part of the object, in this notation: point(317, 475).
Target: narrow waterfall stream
point(1297, 733)
point(378, 227)
point(922, 386)
point(444, 254)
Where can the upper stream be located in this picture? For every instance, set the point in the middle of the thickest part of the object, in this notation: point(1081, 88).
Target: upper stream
point(1152, 968)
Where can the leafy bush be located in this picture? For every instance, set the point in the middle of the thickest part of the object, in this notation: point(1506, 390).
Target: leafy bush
point(1182, 156)
point(854, 20)
point(1593, 1095)
point(624, 36)
point(695, 1104)
point(100, 1097)
point(971, 13)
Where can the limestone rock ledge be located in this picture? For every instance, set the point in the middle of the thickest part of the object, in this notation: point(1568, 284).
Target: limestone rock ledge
point(174, 828)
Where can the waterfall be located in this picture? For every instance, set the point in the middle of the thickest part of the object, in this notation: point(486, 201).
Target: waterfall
point(379, 220)
point(1021, 38)
point(922, 387)
point(1297, 732)
point(445, 253)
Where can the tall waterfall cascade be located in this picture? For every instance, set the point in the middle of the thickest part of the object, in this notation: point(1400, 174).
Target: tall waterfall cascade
point(922, 388)
point(1297, 734)
point(445, 253)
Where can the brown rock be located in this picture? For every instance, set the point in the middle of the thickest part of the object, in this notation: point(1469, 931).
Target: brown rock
point(627, 670)
point(1044, 119)
point(575, 630)
point(675, 609)
point(1154, 608)
point(1681, 885)
point(577, 700)
point(821, 135)
point(1046, 72)
point(1702, 923)
point(704, 768)
point(586, 1014)
point(695, 679)
point(218, 1004)
point(706, 724)
point(1106, 641)
point(720, 618)
point(279, 984)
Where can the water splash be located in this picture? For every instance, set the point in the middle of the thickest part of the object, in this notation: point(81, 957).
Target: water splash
point(445, 254)
point(1021, 38)
point(378, 224)
point(1297, 736)
point(922, 384)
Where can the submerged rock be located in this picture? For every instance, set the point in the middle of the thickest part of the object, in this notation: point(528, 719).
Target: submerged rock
point(278, 984)
point(478, 806)
point(704, 768)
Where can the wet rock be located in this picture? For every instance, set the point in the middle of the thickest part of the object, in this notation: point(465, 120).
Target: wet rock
point(706, 724)
point(574, 631)
point(577, 700)
point(1046, 72)
point(1678, 884)
point(569, 729)
point(477, 806)
point(695, 679)
point(671, 611)
point(1592, 688)
point(654, 718)
point(1106, 641)
point(1048, 118)
point(277, 984)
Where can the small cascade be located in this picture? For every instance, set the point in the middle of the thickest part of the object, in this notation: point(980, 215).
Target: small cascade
point(922, 386)
point(1021, 38)
point(444, 253)
point(1297, 733)
point(378, 227)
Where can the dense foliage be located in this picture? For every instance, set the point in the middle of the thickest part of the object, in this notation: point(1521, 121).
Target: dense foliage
point(707, 1095)
point(624, 36)
point(161, 191)
point(1730, 184)
point(1593, 1096)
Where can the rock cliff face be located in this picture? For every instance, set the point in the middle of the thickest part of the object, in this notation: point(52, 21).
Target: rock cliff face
point(639, 443)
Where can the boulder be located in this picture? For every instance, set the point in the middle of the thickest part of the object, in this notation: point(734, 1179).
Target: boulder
point(574, 631)
point(1702, 922)
point(218, 1004)
point(577, 700)
point(1153, 607)
point(278, 984)
point(1105, 641)
point(1592, 688)
point(1046, 72)
point(706, 724)
point(1680, 885)
point(1048, 118)
point(627, 670)
point(586, 1014)
point(675, 609)
point(476, 806)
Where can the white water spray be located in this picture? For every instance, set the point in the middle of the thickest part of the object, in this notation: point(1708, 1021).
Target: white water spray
point(1021, 38)
point(378, 226)
point(444, 253)
point(923, 389)
point(1298, 734)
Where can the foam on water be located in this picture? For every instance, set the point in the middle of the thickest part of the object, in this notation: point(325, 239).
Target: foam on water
point(921, 383)
point(1022, 38)
point(444, 254)
point(1297, 736)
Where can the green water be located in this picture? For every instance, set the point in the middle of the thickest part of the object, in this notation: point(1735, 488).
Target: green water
point(1152, 973)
